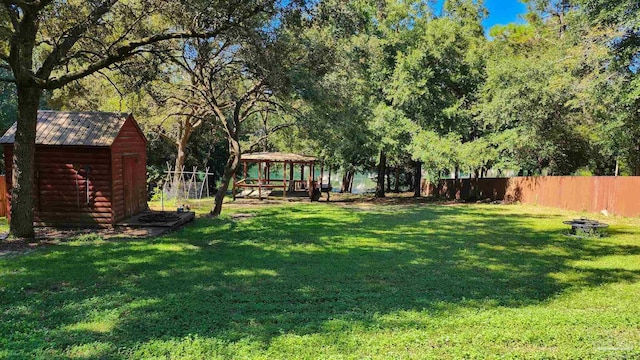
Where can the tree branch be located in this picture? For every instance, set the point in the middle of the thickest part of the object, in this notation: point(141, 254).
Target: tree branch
point(248, 110)
point(130, 29)
point(165, 136)
point(124, 51)
point(13, 15)
point(120, 53)
point(74, 34)
point(252, 90)
point(199, 117)
point(269, 132)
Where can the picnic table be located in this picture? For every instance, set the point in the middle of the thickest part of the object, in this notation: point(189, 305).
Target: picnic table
point(586, 227)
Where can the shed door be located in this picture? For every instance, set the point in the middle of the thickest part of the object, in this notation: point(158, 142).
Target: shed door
point(131, 201)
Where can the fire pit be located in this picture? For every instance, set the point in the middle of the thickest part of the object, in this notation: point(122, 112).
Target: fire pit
point(168, 220)
point(584, 227)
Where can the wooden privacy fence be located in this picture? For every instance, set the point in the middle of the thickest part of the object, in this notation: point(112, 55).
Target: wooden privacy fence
point(4, 202)
point(618, 195)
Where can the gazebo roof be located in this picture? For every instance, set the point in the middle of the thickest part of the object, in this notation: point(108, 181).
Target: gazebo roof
point(277, 157)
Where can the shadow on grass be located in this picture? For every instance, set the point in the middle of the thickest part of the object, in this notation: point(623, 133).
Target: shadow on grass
point(292, 270)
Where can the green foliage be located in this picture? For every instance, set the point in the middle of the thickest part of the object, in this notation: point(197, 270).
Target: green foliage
point(405, 71)
point(551, 81)
point(321, 281)
point(477, 154)
point(623, 15)
point(435, 151)
point(336, 110)
point(584, 171)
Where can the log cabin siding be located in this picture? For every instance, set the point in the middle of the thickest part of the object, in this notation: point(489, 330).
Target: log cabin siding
point(60, 185)
point(129, 143)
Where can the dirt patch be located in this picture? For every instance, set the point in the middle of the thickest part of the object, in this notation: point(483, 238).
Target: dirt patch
point(389, 199)
point(51, 236)
point(10, 247)
point(242, 216)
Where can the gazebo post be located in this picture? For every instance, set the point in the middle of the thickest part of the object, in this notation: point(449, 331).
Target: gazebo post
point(244, 163)
point(313, 178)
point(291, 173)
point(268, 169)
point(311, 188)
point(259, 180)
point(284, 179)
point(329, 185)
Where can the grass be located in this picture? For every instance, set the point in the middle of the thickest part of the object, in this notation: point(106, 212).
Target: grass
point(4, 225)
point(333, 281)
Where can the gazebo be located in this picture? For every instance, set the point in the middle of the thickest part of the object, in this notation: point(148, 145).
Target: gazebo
point(287, 186)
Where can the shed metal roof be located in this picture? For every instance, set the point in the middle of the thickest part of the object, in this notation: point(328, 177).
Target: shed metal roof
point(278, 157)
point(73, 128)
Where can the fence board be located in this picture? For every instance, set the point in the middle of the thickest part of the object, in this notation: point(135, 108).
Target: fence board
point(618, 195)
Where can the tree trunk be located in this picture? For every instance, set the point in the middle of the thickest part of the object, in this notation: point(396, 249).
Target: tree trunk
point(397, 180)
point(456, 172)
point(352, 175)
point(388, 171)
point(410, 182)
point(23, 162)
point(417, 179)
point(230, 168)
point(382, 166)
point(347, 181)
point(177, 183)
point(181, 144)
point(21, 60)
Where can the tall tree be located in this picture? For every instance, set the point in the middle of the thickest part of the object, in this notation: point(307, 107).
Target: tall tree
point(335, 112)
point(623, 96)
point(234, 80)
point(47, 44)
point(436, 80)
point(546, 90)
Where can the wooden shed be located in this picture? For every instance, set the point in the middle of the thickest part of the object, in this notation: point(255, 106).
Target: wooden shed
point(90, 168)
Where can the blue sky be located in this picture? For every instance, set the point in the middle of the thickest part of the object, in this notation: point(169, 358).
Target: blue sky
point(502, 12)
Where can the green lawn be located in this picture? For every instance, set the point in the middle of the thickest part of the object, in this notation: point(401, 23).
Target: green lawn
point(333, 281)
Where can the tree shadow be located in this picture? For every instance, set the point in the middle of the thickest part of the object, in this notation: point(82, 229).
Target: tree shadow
point(295, 272)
